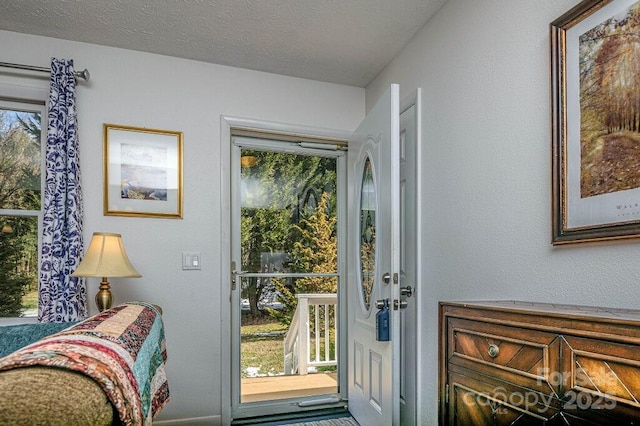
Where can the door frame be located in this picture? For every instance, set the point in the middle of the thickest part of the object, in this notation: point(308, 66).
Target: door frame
point(229, 125)
point(414, 99)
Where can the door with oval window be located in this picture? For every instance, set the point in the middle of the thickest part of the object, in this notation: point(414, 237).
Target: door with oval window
point(373, 260)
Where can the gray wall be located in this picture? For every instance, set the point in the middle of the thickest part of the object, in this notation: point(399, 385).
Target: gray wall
point(484, 69)
point(485, 73)
point(143, 90)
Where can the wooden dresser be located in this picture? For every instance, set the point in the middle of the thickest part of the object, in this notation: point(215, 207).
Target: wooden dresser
point(520, 363)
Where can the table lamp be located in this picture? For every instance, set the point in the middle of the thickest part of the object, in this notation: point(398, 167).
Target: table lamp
point(105, 258)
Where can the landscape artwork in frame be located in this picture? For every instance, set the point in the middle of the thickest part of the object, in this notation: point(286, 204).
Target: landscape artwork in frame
point(142, 172)
point(595, 80)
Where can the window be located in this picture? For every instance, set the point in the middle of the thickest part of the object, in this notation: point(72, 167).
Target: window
point(21, 159)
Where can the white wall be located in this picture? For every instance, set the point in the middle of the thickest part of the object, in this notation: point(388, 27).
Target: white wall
point(144, 90)
point(485, 70)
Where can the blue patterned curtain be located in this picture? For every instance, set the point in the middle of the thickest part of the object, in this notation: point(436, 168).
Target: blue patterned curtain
point(61, 297)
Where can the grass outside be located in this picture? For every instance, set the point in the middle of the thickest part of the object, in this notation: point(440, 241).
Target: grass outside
point(262, 347)
point(30, 299)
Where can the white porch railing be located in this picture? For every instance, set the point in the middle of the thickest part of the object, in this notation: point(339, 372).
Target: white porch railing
point(301, 340)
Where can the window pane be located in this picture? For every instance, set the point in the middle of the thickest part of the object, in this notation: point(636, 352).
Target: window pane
point(20, 159)
point(288, 226)
point(288, 212)
point(18, 266)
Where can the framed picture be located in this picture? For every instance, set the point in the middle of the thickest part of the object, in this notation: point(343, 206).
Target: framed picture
point(595, 81)
point(142, 172)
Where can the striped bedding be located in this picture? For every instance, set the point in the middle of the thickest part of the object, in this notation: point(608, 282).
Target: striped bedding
point(123, 349)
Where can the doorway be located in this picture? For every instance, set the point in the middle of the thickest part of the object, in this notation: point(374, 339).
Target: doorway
point(235, 404)
point(286, 238)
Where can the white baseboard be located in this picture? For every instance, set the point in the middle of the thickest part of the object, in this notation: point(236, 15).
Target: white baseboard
point(194, 421)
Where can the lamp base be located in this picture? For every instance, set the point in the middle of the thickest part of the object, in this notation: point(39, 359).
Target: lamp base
point(103, 298)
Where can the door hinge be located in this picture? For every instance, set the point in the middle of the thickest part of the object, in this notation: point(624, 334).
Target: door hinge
point(446, 393)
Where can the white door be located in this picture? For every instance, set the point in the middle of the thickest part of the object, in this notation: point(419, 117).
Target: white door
point(373, 261)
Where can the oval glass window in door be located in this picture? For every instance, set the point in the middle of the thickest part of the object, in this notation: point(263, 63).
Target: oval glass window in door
point(368, 204)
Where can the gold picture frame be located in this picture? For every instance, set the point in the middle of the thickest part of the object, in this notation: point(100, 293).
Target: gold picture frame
point(595, 75)
point(142, 172)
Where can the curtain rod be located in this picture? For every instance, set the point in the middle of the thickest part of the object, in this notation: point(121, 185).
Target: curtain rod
point(78, 74)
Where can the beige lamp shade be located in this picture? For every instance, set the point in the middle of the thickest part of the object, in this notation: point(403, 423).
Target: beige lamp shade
point(106, 257)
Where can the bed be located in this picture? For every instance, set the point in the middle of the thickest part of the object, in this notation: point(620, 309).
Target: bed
point(105, 370)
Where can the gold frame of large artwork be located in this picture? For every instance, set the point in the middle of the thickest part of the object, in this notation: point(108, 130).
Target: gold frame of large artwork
point(142, 172)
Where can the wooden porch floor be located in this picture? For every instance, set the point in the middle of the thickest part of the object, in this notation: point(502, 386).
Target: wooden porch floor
point(279, 387)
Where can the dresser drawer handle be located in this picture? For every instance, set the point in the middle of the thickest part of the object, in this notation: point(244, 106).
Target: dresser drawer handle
point(494, 350)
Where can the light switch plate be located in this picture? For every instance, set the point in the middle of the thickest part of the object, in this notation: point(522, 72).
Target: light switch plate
point(191, 260)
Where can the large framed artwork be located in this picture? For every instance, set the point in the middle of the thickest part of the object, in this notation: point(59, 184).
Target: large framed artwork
point(142, 172)
point(595, 80)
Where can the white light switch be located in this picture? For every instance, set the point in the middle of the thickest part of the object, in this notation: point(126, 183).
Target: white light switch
point(191, 260)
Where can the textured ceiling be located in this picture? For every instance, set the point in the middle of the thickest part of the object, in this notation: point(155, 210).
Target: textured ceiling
point(338, 41)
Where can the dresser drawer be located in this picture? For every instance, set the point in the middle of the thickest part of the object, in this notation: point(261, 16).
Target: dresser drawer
point(476, 399)
point(600, 375)
point(523, 357)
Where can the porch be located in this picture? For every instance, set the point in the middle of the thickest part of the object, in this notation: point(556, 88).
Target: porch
point(310, 344)
point(279, 387)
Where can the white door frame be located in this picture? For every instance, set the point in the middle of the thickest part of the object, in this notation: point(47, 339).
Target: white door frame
point(413, 366)
point(227, 124)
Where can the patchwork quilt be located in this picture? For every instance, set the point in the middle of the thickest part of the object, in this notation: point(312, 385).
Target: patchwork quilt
point(123, 349)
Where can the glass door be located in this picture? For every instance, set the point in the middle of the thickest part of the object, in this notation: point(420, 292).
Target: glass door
point(286, 249)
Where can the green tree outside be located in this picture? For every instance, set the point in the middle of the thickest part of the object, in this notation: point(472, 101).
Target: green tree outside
point(315, 251)
point(19, 190)
point(288, 222)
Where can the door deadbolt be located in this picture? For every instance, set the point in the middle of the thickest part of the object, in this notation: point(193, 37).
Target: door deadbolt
point(397, 304)
point(406, 291)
